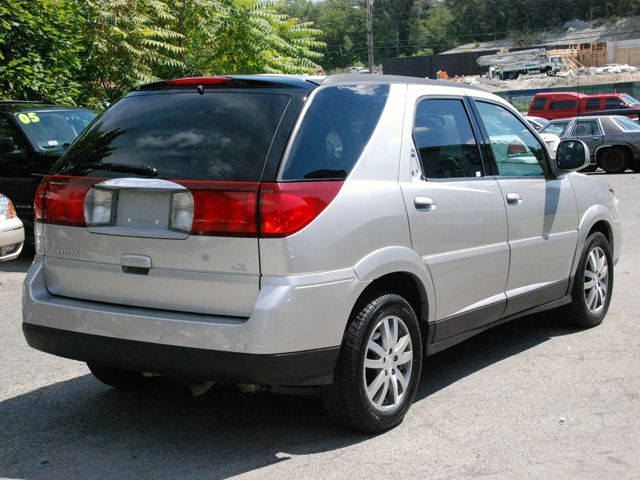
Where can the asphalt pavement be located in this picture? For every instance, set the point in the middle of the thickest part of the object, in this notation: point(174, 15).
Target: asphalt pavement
point(529, 399)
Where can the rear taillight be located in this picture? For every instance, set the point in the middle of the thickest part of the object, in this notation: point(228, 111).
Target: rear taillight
point(221, 208)
point(60, 199)
point(286, 208)
point(240, 209)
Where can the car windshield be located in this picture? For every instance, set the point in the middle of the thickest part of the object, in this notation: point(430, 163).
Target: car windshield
point(53, 129)
point(627, 124)
point(557, 128)
point(629, 100)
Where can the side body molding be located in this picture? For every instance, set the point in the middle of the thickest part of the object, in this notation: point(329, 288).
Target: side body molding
point(398, 260)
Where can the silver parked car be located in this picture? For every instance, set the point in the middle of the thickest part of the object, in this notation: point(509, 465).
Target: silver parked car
point(613, 140)
point(11, 231)
point(278, 231)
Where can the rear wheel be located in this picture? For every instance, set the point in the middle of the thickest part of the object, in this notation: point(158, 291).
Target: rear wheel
point(613, 160)
point(378, 370)
point(593, 284)
point(123, 379)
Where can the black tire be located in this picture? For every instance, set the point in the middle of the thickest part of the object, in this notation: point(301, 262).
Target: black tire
point(346, 400)
point(578, 312)
point(614, 160)
point(513, 75)
point(123, 379)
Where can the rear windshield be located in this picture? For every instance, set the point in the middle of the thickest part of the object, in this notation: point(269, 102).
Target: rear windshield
point(627, 124)
point(217, 136)
point(334, 132)
point(51, 130)
point(557, 128)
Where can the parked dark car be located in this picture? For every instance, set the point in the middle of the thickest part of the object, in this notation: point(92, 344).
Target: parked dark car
point(32, 137)
point(613, 140)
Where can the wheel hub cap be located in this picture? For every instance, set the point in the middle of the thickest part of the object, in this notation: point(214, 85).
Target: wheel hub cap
point(596, 280)
point(388, 363)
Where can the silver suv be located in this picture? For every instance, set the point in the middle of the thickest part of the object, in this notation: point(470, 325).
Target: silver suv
point(276, 231)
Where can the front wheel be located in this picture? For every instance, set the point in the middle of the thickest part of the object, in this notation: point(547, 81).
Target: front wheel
point(613, 160)
point(593, 283)
point(378, 371)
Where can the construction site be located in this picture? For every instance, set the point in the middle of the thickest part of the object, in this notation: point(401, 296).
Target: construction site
point(582, 57)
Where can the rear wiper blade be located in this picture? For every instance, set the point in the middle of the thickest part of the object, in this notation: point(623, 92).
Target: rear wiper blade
point(119, 167)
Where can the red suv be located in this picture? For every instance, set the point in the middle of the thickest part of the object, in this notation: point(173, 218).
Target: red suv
point(553, 105)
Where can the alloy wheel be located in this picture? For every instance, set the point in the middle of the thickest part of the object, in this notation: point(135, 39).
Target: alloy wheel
point(596, 280)
point(388, 363)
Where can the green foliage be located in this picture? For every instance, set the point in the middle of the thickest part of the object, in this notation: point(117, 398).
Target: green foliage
point(90, 52)
point(40, 49)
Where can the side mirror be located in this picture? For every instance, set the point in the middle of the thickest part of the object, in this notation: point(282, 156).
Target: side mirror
point(6, 145)
point(572, 155)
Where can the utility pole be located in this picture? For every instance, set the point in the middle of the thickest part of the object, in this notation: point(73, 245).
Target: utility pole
point(370, 33)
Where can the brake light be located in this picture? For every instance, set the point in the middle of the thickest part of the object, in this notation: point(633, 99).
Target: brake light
point(286, 208)
point(221, 208)
point(199, 81)
point(60, 199)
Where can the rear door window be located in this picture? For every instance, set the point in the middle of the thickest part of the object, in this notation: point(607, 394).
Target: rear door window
point(334, 132)
point(217, 136)
point(445, 141)
point(563, 105)
point(586, 128)
point(592, 104)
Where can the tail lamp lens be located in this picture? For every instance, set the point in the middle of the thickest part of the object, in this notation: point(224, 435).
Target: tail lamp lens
point(99, 206)
point(286, 208)
point(223, 208)
point(182, 211)
point(60, 199)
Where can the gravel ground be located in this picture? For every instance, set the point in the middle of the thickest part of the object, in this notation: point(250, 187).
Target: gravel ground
point(529, 399)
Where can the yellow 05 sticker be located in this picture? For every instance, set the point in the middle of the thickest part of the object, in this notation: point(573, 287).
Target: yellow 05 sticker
point(30, 117)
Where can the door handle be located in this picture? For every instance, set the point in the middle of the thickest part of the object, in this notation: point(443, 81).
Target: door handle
point(513, 199)
point(424, 203)
point(595, 138)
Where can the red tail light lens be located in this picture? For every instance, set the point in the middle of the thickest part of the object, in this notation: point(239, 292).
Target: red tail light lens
point(286, 208)
point(60, 199)
point(221, 208)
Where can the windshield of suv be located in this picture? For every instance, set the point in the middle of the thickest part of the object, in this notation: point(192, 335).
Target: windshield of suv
point(53, 129)
point(627, 124)
point(629, 100)
point(557, 128)
point(217, 136)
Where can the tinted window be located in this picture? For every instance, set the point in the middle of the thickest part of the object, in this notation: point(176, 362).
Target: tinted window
point(53, 129)
point(613, 103)
point(9, 134)
point(592, 104)
point(538, 104)
point(445, 140)
point(563, 105)
point(627, 124)
point(586, 128)
point(515, 150)
point(334, 132)
point(215, 136)
point(557, 128)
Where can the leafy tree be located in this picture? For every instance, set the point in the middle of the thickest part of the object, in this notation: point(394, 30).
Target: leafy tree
point(40, 50)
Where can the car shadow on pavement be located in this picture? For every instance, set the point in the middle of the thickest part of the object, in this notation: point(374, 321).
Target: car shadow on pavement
point(80, 429)
point(489, 347)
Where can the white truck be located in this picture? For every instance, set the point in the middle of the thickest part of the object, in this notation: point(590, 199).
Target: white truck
point(510, 65)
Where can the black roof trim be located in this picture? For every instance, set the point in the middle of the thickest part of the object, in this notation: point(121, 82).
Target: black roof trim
point(615, 111)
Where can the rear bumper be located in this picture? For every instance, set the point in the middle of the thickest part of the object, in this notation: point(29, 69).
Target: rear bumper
point(291, 338)
point(299, 368)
